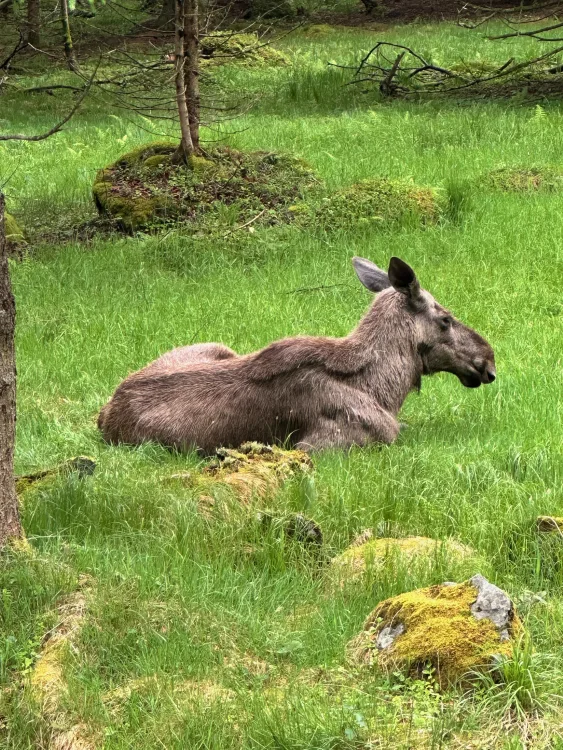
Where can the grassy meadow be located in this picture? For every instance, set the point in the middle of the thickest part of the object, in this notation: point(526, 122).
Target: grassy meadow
point(213, 634)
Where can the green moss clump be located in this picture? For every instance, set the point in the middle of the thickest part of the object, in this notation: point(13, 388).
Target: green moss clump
point(521, 180)
point(224, 47)
point(439, 630)
point(378, 202)
point(357, 561)
point(14, 233)
point(143, 153)
point(144, 188)
point(318, 30)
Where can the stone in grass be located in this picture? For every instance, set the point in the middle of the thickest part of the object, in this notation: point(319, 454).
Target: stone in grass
point(454, 628)
point(525, 179)
point(144, 188)
point(370, 554)
point(378, 202)
point(550, 524)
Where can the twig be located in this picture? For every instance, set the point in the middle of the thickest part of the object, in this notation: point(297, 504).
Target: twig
point(385, 85)
point(243, 226)
point(59, 125)
point(21, 44)
point(314, 288)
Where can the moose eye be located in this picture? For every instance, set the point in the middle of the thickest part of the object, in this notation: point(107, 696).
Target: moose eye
point(445, 322)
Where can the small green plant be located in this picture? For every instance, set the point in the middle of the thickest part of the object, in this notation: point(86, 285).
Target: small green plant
point(525, 683)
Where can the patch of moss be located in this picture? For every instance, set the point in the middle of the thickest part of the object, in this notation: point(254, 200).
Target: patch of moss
point(253, 471)
point(226, 46)
point(375, 202)
point(528, 179)
point(144, 188)
point(353, 564)
point(15, 237)
point(142, 153)
point(318, 30)
point(439, 630)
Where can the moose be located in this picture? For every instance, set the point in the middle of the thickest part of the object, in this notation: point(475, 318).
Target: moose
point(310, 392)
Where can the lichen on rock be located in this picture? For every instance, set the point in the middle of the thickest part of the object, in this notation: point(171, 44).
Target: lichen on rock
point(372, 555)
point(454, 628)
point(145, 187)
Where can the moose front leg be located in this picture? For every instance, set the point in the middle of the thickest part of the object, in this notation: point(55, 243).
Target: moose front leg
point(342, 432)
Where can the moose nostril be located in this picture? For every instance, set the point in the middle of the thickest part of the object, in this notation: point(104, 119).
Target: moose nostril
point(491, 375)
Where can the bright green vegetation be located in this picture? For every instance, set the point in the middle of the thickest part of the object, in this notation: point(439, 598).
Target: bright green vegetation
point(241, 622)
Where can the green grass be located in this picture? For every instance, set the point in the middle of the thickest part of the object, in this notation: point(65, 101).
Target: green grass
point(179, 600)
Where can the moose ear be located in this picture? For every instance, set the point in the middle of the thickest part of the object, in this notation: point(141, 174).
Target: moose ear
point(403, 278)
point(372, 277)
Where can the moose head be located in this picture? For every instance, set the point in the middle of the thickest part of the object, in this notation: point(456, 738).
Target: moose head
point(444, 343)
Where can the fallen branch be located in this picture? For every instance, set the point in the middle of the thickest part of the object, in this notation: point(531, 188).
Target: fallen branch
point(247, 224)
point(59, 126)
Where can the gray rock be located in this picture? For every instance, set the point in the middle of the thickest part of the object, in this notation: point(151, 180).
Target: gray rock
point(388, 635)
point(492, 604)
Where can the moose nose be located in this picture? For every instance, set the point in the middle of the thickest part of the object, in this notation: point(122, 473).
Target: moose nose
point(491, 375)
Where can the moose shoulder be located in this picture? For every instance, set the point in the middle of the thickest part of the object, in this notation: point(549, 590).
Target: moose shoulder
point(315, 392)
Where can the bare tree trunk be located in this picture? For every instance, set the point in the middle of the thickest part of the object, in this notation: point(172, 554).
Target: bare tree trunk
point(186, 147)
point(33, 22)
point(167, 14)
point(67, 38)
point(192, 59)
point(10, 525)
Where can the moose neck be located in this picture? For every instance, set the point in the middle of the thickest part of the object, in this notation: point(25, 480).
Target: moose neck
point(386, 339)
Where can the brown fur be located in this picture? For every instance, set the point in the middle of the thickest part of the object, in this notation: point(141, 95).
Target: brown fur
point(317, 392)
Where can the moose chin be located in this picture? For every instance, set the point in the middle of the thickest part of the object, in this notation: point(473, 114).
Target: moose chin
point(311, 392)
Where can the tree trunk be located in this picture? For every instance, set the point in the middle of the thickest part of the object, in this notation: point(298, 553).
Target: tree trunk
point(67, 38)
point(33, 22)
point(192, 60)
point(186, 147)
point(10, 525)
point(167, 14)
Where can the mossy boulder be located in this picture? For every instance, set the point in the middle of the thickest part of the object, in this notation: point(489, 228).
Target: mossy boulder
point(144, 188)
point(363, 560)
point(550, 525)
point(227, 46)
point(455, 629)
point(526, 179)
point(15, 237)
point(378, 202)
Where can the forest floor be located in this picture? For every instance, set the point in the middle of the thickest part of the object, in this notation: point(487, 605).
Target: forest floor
point(207, 632)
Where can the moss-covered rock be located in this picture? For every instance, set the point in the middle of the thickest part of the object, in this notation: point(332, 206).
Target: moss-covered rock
point(14, 233)
point(227, 46)
point(526, 179)
point(378, 202)
point(317, 30)
point(144, 188)
point(255, 469)
point(366, 559)
point(550, 524)
point(453, 628)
